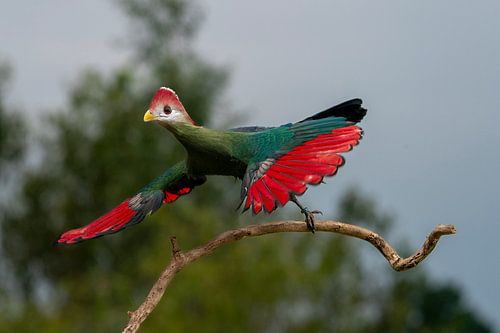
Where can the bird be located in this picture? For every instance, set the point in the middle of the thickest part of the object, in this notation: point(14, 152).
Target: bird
point(275, 164)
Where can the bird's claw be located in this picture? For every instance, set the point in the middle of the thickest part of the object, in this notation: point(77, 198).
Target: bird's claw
point(309, 218)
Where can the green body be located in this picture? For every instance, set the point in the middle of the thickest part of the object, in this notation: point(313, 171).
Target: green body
point(213, 152)
point(231, 152)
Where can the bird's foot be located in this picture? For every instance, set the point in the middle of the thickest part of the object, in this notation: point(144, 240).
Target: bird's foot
point(309, 218)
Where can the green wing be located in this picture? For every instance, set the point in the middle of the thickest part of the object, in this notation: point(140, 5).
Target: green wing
point(290, 157)
point(166, 188)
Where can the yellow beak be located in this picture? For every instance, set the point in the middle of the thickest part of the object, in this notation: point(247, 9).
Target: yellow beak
point(148, 116)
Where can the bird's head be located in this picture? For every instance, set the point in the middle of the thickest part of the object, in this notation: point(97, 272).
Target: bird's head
point(166, 109)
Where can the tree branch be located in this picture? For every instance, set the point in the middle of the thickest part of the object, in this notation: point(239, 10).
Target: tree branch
point(181, 259)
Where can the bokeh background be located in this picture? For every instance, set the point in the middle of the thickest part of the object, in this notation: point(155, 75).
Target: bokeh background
point(77, 77)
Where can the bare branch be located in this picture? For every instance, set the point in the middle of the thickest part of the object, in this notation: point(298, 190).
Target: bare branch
point(181, 259)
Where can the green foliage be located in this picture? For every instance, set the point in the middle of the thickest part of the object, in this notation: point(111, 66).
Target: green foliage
point(98, 151)
point(11, 127)
point(414, 304)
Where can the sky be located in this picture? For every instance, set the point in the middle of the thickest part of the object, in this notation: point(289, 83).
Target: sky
point(428, 72)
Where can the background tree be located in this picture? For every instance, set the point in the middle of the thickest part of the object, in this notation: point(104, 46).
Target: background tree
point(11, 134)
point(96, 151)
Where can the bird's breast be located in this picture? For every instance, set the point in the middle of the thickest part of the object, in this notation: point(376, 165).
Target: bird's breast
point(212, 152)
point(215, 163)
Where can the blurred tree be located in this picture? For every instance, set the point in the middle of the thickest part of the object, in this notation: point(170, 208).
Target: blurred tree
point(97, 151)
point(414, 304)
point(11, 152)
point(11, 130)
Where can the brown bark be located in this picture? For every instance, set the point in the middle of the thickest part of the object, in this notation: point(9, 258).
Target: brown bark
point(181, 259)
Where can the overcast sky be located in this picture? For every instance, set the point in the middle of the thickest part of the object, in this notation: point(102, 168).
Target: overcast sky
point(428, 72)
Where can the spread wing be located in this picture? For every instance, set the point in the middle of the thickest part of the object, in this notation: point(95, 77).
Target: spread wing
point(166, 188)
point(309, 151)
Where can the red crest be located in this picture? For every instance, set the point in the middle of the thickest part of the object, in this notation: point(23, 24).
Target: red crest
point(166, 96)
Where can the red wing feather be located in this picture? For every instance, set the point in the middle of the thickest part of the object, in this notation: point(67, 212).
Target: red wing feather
point(306, 164)
point(129, 212)
point(171, 196)
point(293, 184)
point(279, 191)
point(257, 201)
point(119, 215)
point(267, 197)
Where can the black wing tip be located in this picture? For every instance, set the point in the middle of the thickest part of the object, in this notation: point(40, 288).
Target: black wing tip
point(351, 110)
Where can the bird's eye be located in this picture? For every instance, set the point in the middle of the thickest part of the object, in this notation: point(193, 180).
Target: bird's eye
point(167, 109)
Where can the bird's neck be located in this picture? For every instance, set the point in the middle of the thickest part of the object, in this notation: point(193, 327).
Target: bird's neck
point(212, 151)
point(199, 139)
point(183, 131)
point(193, 137)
